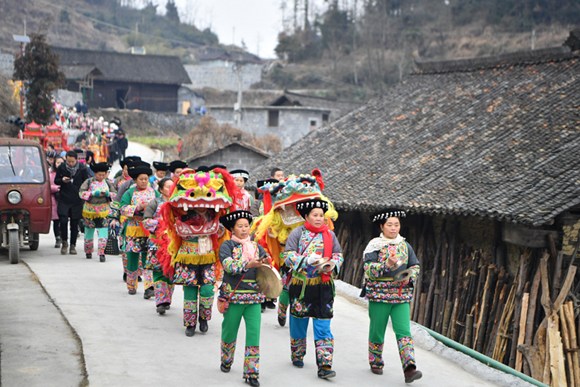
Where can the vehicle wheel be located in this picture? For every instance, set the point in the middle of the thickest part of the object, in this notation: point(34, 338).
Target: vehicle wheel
point(13, 246)
point(34, 241)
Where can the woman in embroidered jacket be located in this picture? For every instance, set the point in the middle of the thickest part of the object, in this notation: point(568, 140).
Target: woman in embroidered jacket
point(162, 286)
point(240, 257)
point(133, 204)
point(391, 268)
point(97, 192)
point(314, 256)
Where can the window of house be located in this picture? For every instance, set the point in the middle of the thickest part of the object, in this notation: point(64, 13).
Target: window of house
point(273, 118)
point(325, 117)
point(313, 124)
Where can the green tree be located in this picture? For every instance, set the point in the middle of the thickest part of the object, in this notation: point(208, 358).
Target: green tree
point(38, 68)
point(171, 11)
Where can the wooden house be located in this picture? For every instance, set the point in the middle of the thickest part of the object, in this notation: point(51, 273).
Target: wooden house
point(123, 81)
point(484, 156)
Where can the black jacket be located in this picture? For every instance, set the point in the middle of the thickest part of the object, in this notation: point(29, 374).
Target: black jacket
point(69, 192)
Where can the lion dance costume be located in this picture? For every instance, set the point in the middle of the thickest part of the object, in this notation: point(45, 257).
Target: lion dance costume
point(188, 238)
point(281, 217)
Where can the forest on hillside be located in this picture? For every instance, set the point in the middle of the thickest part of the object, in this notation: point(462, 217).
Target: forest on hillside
point(348, 49)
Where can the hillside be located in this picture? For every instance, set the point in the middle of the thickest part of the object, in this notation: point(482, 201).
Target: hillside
point(337, 53)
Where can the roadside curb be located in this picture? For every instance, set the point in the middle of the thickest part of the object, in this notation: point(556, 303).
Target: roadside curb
point(425, 341)
point(83, 366)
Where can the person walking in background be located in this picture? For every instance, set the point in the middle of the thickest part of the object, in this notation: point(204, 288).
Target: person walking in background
point(277, 173)
point(97, 192)
point(55, 194)
point(133, 204)
point(245, 200)
point(390, 270)
point(240, 256)
point(70, 175)
point(162, 287)
point(314, 255)
point(179, 147)
point(160, 172)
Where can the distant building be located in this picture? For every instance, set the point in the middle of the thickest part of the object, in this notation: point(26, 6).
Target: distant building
point(6, 64)
point(287, 115)
point(234, 155)
point(123, 81)
point(224, 70)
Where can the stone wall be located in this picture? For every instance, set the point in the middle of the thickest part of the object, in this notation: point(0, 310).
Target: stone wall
point(221, 75)
point(570, 231)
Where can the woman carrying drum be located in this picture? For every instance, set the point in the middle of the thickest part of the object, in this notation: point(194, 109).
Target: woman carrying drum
point(240, 258)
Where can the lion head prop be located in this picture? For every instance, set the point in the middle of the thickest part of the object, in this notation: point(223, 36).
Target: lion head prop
point(191, 216)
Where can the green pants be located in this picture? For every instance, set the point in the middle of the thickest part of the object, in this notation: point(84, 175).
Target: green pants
point(158, 276)
point(252, 314)
point(190, 292)
point(379, 313)
point(133, 260)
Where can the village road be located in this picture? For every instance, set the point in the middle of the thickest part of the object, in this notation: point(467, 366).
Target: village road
point(136, 149)
point(68, 321)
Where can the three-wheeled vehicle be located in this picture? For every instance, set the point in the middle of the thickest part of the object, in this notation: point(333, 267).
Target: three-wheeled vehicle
point(25, 200)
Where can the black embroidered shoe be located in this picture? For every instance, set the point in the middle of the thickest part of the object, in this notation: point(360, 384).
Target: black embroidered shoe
point(253, 382)
point(202, 325)
point(412, 374)
point(326, 373)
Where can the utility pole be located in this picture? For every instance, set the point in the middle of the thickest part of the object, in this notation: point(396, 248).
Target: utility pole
point(237, 68)
point(23, 40)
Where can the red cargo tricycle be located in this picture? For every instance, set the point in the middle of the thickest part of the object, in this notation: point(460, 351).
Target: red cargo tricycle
point(25, 199)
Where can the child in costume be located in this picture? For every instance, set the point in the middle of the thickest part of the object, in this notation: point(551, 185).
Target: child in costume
point(391, 268)
point(240, 257)
point(97, 192)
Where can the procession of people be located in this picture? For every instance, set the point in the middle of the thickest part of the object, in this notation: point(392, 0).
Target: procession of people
point(201, 229)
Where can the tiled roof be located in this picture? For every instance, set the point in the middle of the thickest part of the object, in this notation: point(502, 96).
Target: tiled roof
point(500, 141)
point(229, 144)
point(116, 66)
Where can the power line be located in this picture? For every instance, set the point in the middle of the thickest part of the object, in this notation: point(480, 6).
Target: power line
point(121, 28)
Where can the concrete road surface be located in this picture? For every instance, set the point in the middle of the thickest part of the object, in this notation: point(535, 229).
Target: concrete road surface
point(135, 149)
point(68, 321)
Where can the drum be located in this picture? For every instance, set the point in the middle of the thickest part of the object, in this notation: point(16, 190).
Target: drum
point(269, 281)
point(405, 275)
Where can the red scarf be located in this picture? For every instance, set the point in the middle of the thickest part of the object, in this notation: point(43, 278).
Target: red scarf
point(326, 239)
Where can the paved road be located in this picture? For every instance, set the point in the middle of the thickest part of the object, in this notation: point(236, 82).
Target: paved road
point(137, 149)
point(123, 342)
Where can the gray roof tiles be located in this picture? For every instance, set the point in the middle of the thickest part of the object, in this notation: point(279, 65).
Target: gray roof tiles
point(498, 141)
point(116, 66)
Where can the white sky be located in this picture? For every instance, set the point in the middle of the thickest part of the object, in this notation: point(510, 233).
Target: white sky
point(256, 22)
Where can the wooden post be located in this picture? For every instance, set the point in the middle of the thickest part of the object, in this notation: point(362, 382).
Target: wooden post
point(556, 351)
point(566, 345)
point(522, 332)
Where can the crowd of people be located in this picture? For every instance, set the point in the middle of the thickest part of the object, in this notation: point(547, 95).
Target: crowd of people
point(95, 139)
point(167, 238)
